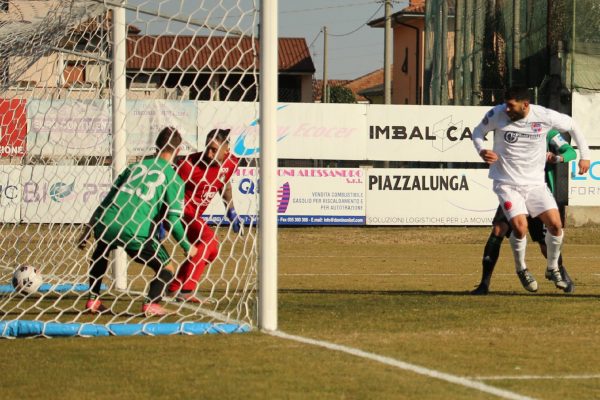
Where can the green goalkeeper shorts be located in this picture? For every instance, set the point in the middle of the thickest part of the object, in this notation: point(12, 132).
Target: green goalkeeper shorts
point(145, 250)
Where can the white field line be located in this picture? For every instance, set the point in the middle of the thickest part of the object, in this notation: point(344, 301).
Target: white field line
point(569, 257)
point(404, 274)
point(380, 274)
point(430, 373)
point(532, 377)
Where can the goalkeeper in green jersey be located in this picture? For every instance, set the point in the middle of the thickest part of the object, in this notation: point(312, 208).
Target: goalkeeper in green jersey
point(559, 151)
point(126, 218)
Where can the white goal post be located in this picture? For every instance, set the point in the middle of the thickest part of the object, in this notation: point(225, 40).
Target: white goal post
point(85, 88)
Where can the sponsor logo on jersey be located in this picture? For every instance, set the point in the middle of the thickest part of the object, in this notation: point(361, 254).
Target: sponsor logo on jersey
point(511, 137)
point(536, 127)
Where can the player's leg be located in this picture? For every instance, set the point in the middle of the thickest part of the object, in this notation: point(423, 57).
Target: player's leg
point(98, 267)
point(190, 272)
point(192, 230)
point(566, 277)
point(537, 230)
point(561, 267)
point(513, 204)
point(152, 254)
point(491, 251)
point(518, 242)
point(553, 241)
point(542, 205)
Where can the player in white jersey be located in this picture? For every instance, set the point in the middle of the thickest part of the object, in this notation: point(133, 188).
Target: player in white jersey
point(517, 168)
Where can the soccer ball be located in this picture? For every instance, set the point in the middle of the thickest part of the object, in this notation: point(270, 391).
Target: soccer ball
point(26, 279)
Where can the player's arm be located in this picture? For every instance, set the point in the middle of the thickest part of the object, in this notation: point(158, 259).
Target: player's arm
point(108, 199)
point(560, 151)
point(232, 216)
point(487, 124)
point(112, 193)
point(227, 195)
point(564, 123)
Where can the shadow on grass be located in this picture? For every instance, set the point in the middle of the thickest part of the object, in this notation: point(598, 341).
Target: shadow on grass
point(434, 293)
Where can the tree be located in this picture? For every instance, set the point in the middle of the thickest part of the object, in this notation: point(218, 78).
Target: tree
point(340, 94)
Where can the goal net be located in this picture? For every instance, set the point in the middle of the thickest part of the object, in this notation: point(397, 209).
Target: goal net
point(73, 117)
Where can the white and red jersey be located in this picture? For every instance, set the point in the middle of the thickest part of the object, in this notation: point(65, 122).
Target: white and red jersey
point(202, 181)
point(521, 145)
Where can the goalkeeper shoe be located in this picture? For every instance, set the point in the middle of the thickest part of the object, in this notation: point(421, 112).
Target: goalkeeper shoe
point(527, 280)
point(481, 290)
point(153, 310)
point(555, 276)
point(187, 298)
point(184, 297)
point(95, 306)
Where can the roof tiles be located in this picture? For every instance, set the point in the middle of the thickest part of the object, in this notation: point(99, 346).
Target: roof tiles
point(196, 53)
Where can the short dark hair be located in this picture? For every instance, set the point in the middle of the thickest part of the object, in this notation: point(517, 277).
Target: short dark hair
point(221, 135)
point(168, 139)
point(519, 93)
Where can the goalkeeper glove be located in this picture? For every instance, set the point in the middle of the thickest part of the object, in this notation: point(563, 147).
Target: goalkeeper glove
point(236, 222)
point(161, 232)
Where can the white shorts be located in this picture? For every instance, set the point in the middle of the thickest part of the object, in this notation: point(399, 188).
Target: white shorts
point(517, 200)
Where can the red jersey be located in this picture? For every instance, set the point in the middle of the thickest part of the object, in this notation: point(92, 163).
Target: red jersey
point(202, 182)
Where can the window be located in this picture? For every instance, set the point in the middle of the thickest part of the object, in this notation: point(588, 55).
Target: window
point(3, 5)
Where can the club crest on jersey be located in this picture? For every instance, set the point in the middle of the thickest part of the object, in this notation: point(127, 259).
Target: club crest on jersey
point(536, 127)
point(511, 137)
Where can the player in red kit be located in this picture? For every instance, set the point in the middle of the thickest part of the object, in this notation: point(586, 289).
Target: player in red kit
point(204, 173)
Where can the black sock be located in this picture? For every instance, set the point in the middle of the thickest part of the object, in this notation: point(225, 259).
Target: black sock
point(490, 257)
point(98, 269)
point(157, 286)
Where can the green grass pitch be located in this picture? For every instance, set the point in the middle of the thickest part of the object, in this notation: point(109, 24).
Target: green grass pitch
point(395, 292)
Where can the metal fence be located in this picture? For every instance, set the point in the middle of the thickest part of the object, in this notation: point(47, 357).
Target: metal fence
point(477, 48)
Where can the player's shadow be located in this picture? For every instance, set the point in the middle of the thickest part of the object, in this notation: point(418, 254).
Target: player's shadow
point(430, 293)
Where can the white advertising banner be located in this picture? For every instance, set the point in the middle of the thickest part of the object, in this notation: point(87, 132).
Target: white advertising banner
point(68, 127)
point(422, 133)
point(304, 131)
point(84, 127)
point(146, 118)
point(584, 190)
point(62, 194)
point(10, 193)
point(585, 113)
point(306, 196)
point(429, 197)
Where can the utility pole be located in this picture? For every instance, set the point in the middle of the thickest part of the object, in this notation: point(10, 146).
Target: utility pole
point(387, 55)
point(444, 55)
point(516, 77)
point(458, 51)
point(324, 94)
